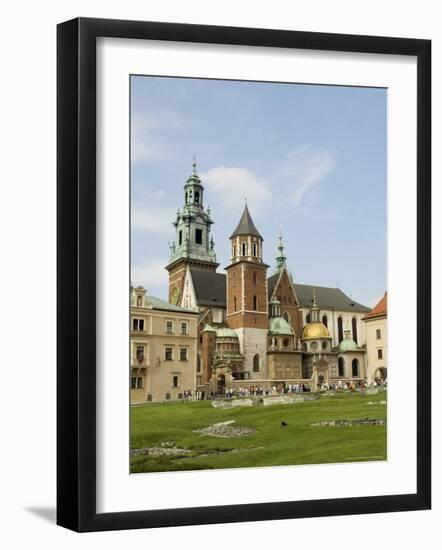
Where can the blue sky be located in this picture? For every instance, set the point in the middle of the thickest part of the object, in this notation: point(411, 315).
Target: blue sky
point(310, 160)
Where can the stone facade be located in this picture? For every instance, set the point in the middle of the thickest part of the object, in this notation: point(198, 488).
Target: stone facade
point(163, 349)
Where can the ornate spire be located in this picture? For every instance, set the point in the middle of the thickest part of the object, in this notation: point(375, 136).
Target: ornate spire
point(280, 258)
point(314, 310)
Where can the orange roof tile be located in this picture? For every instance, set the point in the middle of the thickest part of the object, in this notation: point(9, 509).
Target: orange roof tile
point(379, 309)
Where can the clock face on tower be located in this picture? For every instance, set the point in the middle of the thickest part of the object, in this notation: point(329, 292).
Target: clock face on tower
point(175, 296)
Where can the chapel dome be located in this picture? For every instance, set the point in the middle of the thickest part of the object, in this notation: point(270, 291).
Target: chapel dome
point(314, 331)
point(347, 345)
point(278, 325)
point(226, 332)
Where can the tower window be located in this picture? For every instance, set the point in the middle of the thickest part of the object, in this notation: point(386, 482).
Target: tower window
point(243, 249)
point(255, 302)
point(180, 237)
point(355, 329)
point(234, 303)
point(324, 320)
point(199, 236)
point(197, 197)
point(256, 363)
point(254, 249)
point(340, 366)
point(307, 318)
point(355, 368)
point(234, 250)
point(340, 330)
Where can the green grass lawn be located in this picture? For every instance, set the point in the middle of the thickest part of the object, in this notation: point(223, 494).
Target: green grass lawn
point(271, 445)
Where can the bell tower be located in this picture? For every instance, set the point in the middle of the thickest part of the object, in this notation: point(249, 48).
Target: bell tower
point(193, 245)
point(247, 304)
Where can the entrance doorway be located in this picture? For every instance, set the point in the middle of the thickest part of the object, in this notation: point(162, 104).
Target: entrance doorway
point(221, 388)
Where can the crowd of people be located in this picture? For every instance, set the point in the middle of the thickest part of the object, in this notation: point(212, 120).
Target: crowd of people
point(282, 389)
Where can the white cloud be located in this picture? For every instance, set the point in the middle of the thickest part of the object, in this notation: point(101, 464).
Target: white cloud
point(150, 274)
point(303, 170)
point(235, 184)
point(153, 218)
point(145, 143)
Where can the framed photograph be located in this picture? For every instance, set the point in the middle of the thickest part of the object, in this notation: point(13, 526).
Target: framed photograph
point(243, 274)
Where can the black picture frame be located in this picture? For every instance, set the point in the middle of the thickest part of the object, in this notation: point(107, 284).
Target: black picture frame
point(76, 273)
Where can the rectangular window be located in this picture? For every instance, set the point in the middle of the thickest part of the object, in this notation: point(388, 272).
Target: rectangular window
point(133, 382)
point(180, 237)
point(139, 353)
point(183, 354)
point(199, 236)
point(139, 383)
point(138, 324)
point(175, 381)
point(168, 354)
point(378, 334)
point(167, 396)
point(379, 353)
point(169, 327)
point(183, 328)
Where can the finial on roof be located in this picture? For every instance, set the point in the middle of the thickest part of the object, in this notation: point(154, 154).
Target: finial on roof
point(280, 258)
point(194, 165)
point(315, 305)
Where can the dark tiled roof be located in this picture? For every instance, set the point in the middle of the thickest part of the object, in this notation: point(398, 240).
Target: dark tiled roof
point(379, 310)
point(246, 225)
point(326, 298)
point(271, 283)
point(210, 287)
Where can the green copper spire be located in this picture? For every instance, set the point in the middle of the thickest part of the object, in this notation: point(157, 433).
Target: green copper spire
point(192, 223)
point(280, 258)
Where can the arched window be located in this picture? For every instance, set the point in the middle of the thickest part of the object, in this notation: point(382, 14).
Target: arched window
point(254, 277)
point(341, 366)
point(340, 330)
point(234, 250)
point(243, 249)
point(325, 320)
point(186, 198)
point(254, 249)
point(355, 368)
point(255, 303)
point(286, 317)
point(234, 303)
point(354, 329)
point(198, 363)
point(197, 197)
point(256, 363)
point(307, 318)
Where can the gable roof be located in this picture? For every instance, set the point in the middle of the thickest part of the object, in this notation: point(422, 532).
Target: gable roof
point(210, 287)
point(246, 225)
point(326, 298)
point(379, 310)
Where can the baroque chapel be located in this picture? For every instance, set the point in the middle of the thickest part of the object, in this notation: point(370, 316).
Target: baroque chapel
point(256, 326)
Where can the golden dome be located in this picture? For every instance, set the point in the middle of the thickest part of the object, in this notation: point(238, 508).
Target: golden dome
point(315, 330)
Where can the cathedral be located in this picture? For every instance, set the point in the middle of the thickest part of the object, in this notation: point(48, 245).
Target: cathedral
point(256, 325)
